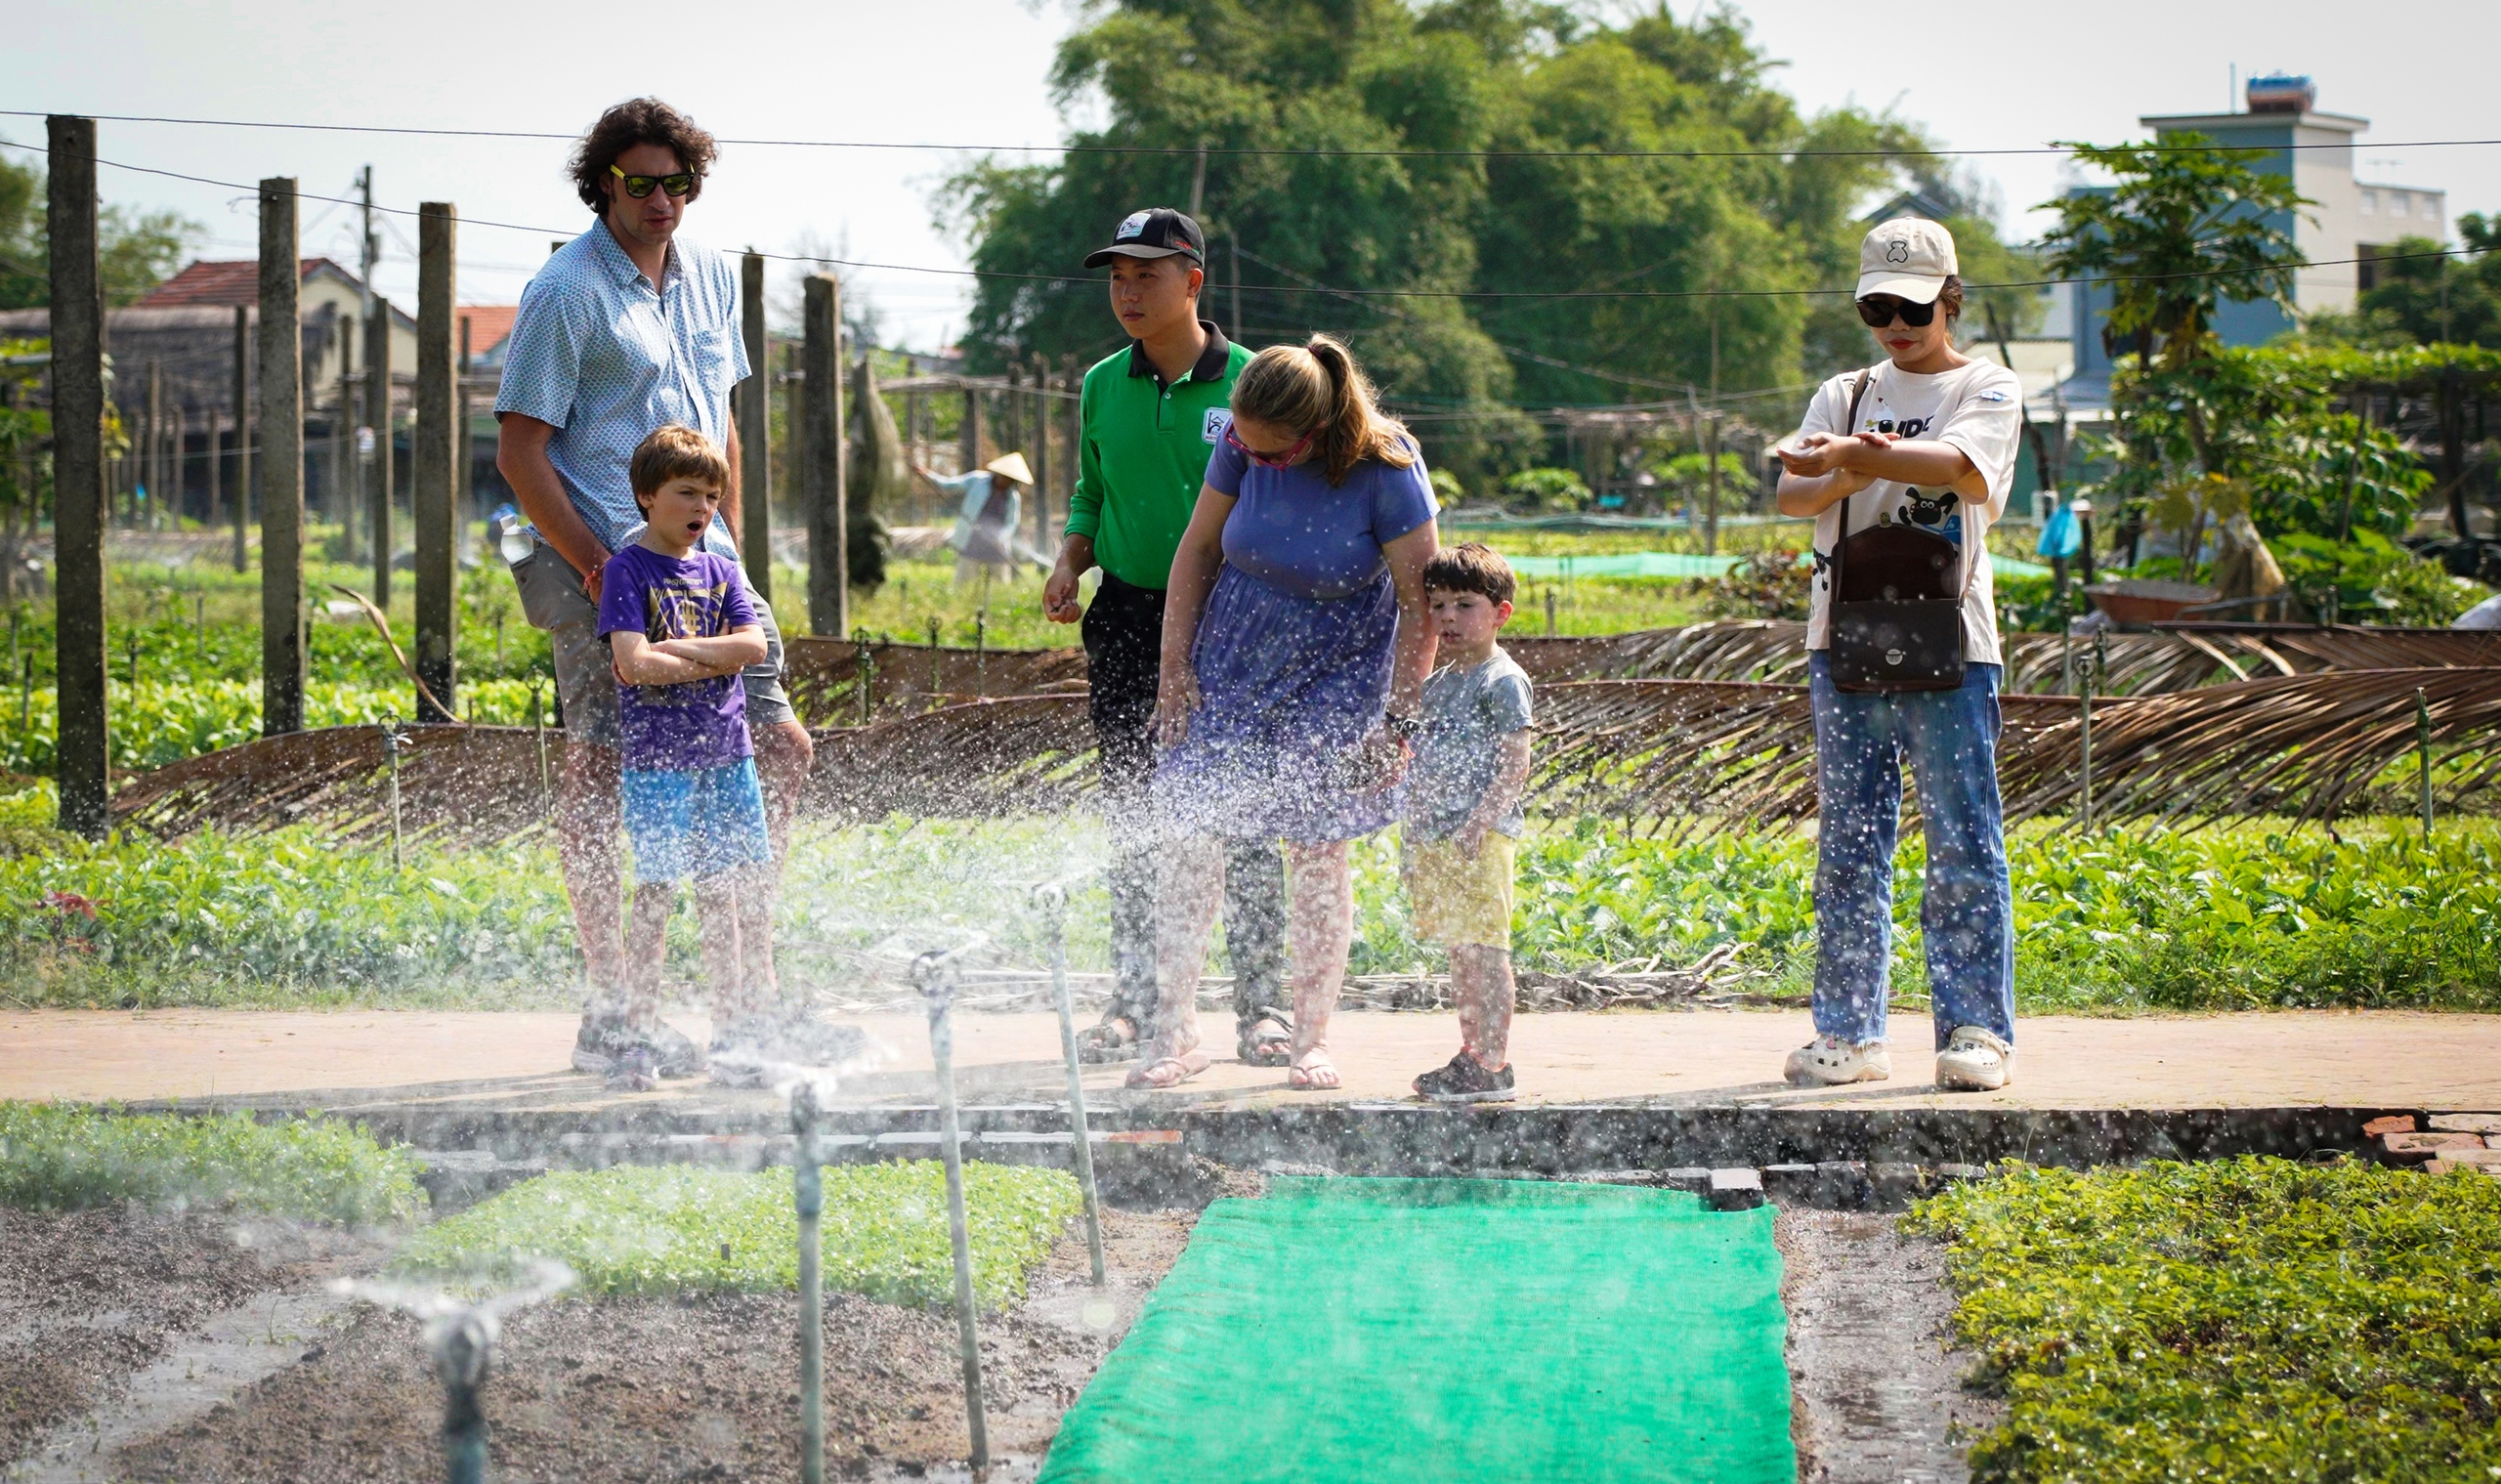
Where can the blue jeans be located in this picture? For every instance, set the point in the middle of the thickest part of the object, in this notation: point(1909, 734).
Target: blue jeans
point(1967, 913)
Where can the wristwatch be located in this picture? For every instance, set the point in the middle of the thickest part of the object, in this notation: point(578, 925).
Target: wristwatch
point(1404, 728)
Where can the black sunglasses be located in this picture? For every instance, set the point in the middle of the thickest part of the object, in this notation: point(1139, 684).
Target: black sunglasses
point(677, 186)
point(1877, 310)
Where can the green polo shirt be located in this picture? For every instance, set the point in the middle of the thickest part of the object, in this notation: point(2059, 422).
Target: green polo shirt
point(1144, 454)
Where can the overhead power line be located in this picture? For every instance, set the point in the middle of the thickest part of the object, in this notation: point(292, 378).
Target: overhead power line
point(1194, 151)
point(1347, 293)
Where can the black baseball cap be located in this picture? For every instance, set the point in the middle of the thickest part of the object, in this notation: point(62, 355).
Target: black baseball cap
point(1159, 231)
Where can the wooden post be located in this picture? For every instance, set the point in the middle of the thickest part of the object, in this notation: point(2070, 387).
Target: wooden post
point(155, 446)
point(377, 416)
point(281, 498)
point(829, 538)
point(794, 422)
point(242, 438)
point(1710, 507)
point(434, 479)
point(755, 434)
point(1076, 442)
point(464, 444)
point(1012, 416)
point(969, 437)
point(216, 468)
point(175, 456)
point(78, 475)
point(342, 496)
point(1042, 421)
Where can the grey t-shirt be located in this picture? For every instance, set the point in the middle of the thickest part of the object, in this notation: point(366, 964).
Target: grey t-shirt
point(1466, 712)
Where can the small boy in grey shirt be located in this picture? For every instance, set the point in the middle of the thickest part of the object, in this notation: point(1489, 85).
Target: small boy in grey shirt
point(1464, 814)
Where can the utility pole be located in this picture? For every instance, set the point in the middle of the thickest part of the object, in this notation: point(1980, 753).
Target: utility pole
point(434, 479)
point(281, 501)
point(754, 413)
point(78, 475)
point(829, 538)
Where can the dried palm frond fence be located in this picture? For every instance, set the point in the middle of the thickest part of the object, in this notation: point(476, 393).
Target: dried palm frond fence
point(909, 678)
point(1681, 755)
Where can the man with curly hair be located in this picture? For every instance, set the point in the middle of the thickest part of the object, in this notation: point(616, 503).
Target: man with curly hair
point(629, 328)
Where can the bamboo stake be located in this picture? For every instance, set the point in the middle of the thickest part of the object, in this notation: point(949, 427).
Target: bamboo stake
point(2423, 747)
point(809, 1195)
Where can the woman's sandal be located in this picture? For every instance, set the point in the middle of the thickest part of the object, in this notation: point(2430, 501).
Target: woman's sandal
point(1267, 1040)
point(1315, 1072)
point(1165, 1072)
point(1113, 1039)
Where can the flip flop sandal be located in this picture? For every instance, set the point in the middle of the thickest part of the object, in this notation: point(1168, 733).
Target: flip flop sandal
point(1305, 1077)
point(1266, 1040)
point(1113, 1039)
point(1166, 1073)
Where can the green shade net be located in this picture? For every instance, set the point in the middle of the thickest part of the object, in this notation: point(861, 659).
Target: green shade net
point(1436, 1330)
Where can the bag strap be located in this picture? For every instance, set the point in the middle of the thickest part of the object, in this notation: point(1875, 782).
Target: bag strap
point(1848, 428)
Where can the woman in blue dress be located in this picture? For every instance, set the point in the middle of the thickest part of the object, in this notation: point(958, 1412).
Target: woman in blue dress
point(1295, 646)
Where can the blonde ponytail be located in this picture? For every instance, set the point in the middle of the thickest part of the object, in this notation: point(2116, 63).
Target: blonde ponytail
point(1317, 388)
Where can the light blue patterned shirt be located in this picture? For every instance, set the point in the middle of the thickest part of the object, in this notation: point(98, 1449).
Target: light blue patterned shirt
point(601, 358)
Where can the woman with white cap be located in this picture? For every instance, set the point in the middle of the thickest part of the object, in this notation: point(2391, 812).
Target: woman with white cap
point(1902, 467)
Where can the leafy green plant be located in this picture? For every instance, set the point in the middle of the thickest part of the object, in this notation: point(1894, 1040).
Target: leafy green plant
point(63, 1156)
point(678, 1229)
point(1540, 490)
point(2250, 1319)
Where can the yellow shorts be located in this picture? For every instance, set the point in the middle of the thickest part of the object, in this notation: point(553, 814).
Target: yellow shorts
point(1459, 902)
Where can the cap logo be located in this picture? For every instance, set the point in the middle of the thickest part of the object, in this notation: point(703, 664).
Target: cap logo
point(1898, 250)
point(1131, 225)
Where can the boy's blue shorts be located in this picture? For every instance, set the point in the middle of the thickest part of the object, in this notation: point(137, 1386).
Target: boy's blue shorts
point(695, 821)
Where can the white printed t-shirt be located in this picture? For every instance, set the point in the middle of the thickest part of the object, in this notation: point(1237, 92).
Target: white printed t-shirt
point(1979, 408)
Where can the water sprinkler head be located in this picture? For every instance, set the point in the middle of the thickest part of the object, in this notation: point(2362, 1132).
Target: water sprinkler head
point(463, 1346)
point(934, 974)
point(803, 1106)
point(1051, 896)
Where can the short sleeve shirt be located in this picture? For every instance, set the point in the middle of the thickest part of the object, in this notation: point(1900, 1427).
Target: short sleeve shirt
point(1301, 534)
point(1979, 408)
point(1468, 711)
point(600, 355)
point(697, 723)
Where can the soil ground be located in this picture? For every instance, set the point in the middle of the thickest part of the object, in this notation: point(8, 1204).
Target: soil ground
point(695, 1387)
point(2374, 1058)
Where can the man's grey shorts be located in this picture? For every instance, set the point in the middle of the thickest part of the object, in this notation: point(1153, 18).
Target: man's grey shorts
point(553, 599)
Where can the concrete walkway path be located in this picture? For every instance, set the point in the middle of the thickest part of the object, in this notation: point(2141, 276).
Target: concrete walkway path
point(2386, 1059)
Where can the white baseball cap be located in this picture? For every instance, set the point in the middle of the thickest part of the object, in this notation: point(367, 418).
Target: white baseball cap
point(1909, 258)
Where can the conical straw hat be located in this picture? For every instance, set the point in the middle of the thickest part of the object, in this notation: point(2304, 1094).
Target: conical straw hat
point(1011, 466)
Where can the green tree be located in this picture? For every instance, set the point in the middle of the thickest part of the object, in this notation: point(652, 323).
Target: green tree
point(2183, 230)
point(1461, 197)
point(2426, 299)
point(137, 250)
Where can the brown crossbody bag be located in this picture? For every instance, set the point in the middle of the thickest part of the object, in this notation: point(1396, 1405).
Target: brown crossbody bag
point(1896, 612)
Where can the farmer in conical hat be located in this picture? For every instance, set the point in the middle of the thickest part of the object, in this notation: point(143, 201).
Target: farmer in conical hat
point(993, 501)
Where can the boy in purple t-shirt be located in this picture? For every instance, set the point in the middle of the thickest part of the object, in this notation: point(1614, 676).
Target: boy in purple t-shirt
point(681, 625)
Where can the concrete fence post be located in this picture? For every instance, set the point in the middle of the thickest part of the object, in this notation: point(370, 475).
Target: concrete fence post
point(281, 471)
point(754, 413)
point(78, 475)
point(829, 538)
point(242, 393)
point(435, 477)
point(377, 416)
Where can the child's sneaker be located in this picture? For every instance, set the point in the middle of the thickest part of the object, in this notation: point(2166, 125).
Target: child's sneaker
point(603, 1037)
point(1974, 1060)
point(1465, 1079)
point(1828, 1061)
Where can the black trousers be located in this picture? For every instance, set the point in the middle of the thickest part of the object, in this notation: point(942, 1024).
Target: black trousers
point(1124, 632)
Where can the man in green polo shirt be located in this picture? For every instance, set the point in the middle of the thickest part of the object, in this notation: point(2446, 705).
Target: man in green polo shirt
point(1152, 414)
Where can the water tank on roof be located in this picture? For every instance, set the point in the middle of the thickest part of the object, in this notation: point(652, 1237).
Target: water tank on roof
point(2281, 93)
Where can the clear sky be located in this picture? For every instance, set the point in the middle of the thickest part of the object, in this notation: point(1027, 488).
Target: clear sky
point(973, 72)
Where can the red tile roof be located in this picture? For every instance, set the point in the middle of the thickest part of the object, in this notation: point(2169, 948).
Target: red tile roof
point(234, 282)
point(488, 324)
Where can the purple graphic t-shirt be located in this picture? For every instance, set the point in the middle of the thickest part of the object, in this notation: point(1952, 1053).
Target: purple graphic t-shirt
point(698, 723)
